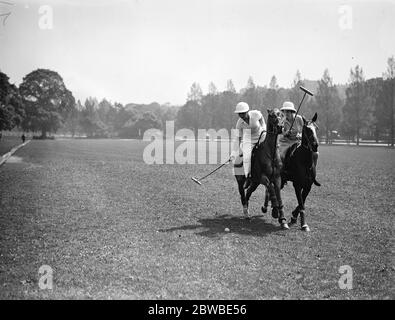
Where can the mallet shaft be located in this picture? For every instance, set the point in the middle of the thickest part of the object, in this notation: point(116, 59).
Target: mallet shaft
point(214, 170)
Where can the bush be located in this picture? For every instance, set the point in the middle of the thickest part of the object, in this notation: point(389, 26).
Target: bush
point(43, 138)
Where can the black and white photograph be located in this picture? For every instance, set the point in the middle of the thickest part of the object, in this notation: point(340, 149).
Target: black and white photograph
point(220, 151)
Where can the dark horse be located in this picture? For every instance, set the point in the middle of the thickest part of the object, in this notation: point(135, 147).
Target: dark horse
point(266, 169)
point(302, 168)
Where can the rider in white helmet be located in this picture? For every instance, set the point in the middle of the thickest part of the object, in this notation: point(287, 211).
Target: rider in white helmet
point(250, 128)
point(291, 135)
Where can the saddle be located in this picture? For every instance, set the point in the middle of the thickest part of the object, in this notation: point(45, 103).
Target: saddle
point(253, 151)
point(286, 163)
point(289, 153)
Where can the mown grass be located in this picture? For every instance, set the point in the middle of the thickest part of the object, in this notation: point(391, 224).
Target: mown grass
point(7, 143)
point(112, 227)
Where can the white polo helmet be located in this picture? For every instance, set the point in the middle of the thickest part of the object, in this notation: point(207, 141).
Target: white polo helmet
point(242, 107)
point(288, 105)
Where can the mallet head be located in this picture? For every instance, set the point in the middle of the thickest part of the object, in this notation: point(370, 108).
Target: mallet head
point(306, 91)
point(196, 180)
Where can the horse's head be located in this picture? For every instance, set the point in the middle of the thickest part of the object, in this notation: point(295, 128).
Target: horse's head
point(309, 135)
point(274, 121)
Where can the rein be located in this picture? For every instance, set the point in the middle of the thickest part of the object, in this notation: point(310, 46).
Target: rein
point(308, 147)
point(275, 132)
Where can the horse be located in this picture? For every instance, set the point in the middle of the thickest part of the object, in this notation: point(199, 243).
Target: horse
point(266, 169)
point(302, 169)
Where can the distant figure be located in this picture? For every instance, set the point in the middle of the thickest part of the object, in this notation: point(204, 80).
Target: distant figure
point(23, 138)
point(1, 134)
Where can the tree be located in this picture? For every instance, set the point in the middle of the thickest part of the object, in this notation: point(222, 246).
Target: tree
point(249, 94)
point(230, 87)
point(389, 91)
point(47, 101)
point(295, 94)
point(169, 114)
point(195, 93)
point(11, 104)
point(273, 83)
point(123, 116)
point(328, 105)
point(355, 111)
point(103, 110)
point(133, 129)
point(73, 118)
point(212, 89)
point(186, 116)
point(272, 96)
point(378, 122)
point(250, 83)
point(195, 96)
point(228, 103)
point(90, 121)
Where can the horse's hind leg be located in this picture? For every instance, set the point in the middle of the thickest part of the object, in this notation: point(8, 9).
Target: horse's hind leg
point(295, 214)
point(240, 183)
point(270, 195)
point(273, 200)
point(250, 190)
point(264, 208)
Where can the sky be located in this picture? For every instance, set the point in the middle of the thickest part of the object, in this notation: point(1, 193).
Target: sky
point(142, 51)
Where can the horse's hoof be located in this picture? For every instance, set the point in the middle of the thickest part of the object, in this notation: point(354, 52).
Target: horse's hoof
point(293, 220)
point(305, 227)
point(264, 209)
point(284, 226)
point(275, 213)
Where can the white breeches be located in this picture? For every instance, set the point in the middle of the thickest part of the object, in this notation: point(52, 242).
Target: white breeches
point(247, 146)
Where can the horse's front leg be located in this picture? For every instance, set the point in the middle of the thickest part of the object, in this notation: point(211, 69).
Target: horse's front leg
point(305, 193)
point(277, 189)
point(298, 192)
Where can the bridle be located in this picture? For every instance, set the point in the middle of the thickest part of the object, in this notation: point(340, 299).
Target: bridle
point(275, 129)
point(309, 144)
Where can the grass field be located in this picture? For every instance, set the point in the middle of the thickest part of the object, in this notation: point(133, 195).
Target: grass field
point(7, 143)
point(112, 227)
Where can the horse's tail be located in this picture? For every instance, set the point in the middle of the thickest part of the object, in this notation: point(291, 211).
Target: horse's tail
point(316, 182)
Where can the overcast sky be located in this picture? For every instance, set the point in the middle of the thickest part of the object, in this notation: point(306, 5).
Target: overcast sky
point(153, 50)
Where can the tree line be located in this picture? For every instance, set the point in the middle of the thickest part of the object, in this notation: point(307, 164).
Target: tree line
point(360, 109)
point(42, 104)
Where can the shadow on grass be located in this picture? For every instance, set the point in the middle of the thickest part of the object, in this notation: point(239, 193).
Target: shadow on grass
point(216, 226)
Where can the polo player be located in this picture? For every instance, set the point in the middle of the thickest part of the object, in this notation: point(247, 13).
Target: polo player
point(250, 129)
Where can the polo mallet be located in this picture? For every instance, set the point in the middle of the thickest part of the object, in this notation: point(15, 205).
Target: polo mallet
point(297, 111)
point(198, 181)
